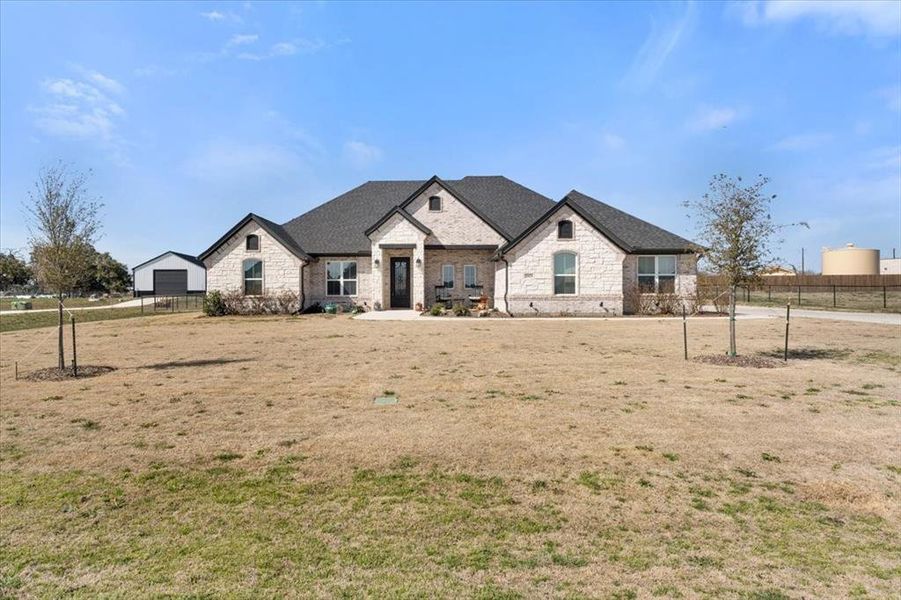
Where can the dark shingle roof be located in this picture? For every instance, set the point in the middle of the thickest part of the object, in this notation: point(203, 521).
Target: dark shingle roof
point(339, 225)
point(630, 233)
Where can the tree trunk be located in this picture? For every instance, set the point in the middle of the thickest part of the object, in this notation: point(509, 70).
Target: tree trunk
point(62, 358)
point(732, 349)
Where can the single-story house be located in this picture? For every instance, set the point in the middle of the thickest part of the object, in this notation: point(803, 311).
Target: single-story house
point(170, 274)
point(406, 244)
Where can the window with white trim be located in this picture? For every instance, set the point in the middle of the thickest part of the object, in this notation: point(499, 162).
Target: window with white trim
point(253, 277)
point(341, 278)
point(564, 273)
point(469, 276)
point(447, 276)
point(657, 274)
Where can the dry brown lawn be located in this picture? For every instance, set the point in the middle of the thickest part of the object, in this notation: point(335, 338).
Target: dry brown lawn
point(245, 457)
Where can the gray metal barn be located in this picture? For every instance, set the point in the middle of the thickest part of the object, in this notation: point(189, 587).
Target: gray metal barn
point(170, 274)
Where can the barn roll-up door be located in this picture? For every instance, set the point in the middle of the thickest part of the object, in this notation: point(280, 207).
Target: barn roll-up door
point(170, 282)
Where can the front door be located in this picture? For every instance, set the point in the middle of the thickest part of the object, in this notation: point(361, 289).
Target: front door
point(400, 283)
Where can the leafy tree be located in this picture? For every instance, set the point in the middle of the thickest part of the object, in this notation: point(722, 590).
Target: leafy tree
point(63, 223)
point(736, 228)
point(13, 271)
point(107, 274)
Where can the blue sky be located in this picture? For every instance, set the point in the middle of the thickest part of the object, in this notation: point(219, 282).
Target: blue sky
point(193, 114)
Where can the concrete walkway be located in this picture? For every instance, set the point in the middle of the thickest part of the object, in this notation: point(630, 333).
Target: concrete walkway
point(830, 315)
point(148, 301)
point(389, 315)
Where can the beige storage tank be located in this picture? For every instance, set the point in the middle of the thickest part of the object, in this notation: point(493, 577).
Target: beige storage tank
point(850, 260)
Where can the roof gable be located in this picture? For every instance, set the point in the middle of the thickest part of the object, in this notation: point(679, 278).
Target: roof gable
point(460, 198)
point(629, 233)
point(273, 229)
point(187, 257)
point(404, 215)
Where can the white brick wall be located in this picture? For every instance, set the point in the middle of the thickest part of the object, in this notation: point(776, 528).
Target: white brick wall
point(454, 224)
point(225, 269)
point(599, 271)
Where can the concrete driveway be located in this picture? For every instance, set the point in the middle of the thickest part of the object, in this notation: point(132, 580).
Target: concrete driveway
point(831, 315)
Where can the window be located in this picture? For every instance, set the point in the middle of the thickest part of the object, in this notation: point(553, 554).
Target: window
point(252, 242)
point(657, 274)
point(469, 276)
point(341, 278)
point(565, 273)
point(435, 203)
point(253, 277)
point(447, 276)
point(564, 230)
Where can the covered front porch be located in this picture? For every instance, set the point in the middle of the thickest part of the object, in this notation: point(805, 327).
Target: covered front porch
point(411, 276)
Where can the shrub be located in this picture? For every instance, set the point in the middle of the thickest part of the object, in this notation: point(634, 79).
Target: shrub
point(654, 304)
point(233, 302)
point(460, 310)
point(437, 310)
point(213, 304)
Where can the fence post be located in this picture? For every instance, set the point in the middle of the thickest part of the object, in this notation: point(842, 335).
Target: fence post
point(788, 310)
point(74, 351)
point(769, 293)
point(799, 294)
point(884, 298)
point(684, 332)
point(142, 305)
point(833, 297)
point(171, 305)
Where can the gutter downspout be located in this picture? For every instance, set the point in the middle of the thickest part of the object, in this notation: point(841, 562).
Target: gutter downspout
point(302, 298)
point(506, 285)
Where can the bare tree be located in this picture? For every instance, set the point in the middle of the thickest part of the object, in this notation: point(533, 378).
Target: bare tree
point(738, 233)
point(63, 224)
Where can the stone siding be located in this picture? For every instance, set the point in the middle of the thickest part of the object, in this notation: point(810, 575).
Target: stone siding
point(454, 224)
point(225, 268)
point(397, 230)
point(599, 272)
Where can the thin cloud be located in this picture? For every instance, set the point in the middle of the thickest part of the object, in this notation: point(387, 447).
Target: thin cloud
point(79, 108)
point(710, 118)
point(361, 155)
point(878, 18)
point(215, 16)
point(656, 49)
point(803, 141)
point(240, 39)
point(283, 49)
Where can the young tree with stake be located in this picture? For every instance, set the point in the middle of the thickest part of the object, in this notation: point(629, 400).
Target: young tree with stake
point(63, 224)
point(738, 232)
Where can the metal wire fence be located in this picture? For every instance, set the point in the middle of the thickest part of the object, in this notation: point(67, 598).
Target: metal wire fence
point(856, 297)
